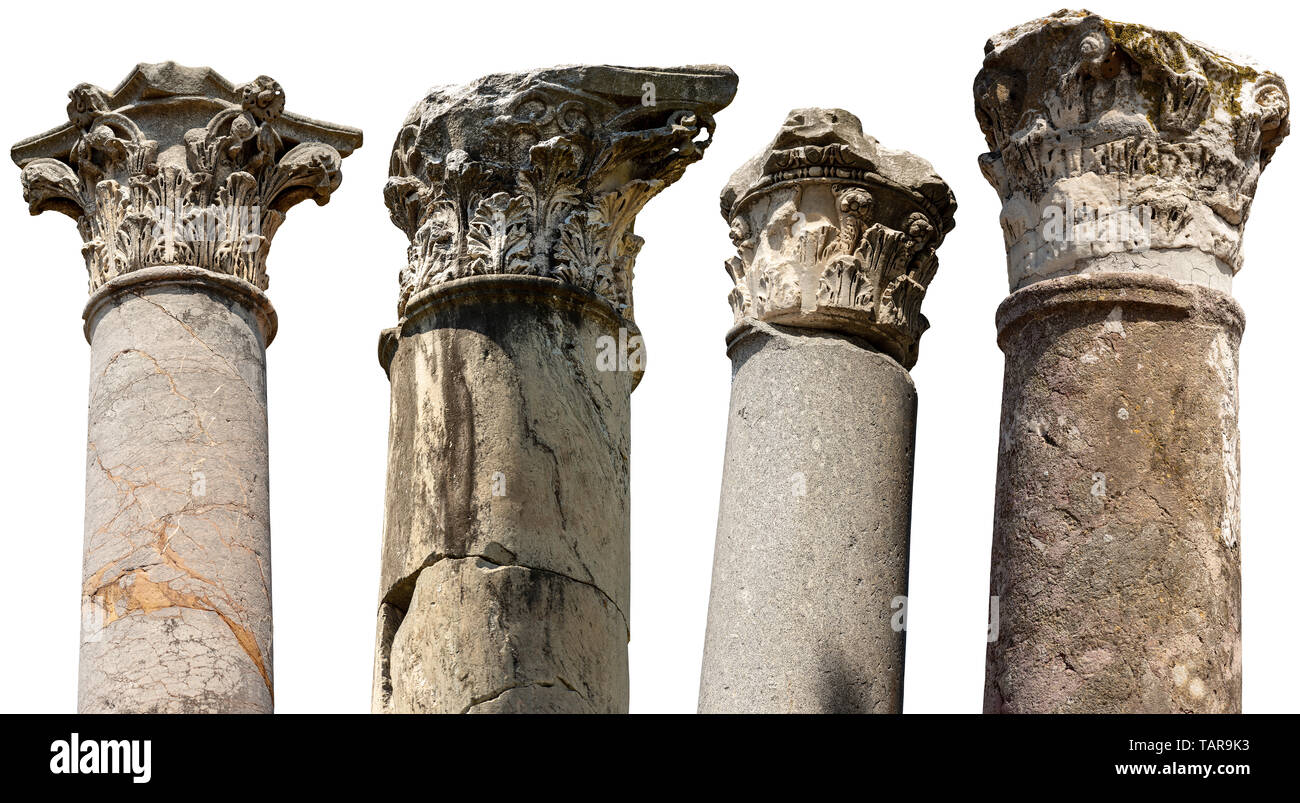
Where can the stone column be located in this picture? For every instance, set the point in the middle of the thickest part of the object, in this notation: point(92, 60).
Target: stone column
point(506, 540)
point(177, 181)
point(1126, 160)
point(836, 238)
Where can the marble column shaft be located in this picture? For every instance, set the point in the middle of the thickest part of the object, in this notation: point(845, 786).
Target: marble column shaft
point(506, 557)
point(1126, 160)
point(177, 181)
point(836, 241)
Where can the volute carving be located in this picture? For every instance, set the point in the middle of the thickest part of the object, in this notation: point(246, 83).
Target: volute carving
point(543, 173)
point(178, 167)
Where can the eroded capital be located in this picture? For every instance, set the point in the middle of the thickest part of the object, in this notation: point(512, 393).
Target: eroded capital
point(543, 173)
point(1118, 147)
point(835, 232)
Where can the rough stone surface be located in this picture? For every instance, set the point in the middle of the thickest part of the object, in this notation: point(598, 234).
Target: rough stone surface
point(834, 231)
point(836, 239)
point(1126, 139)
point(1116, 554)
point(177, 180)
point(506, 445)
point(1126, 159)
point(466, 613)
point(542, 173)
point(506, 545)
point(813, 528)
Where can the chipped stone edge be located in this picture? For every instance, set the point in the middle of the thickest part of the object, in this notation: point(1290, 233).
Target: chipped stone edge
point(1041, 299)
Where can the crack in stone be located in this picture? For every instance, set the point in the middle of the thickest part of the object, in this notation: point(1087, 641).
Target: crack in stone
point(190, 330)
point(487, 698)
point(148, 596)
point(399, 595)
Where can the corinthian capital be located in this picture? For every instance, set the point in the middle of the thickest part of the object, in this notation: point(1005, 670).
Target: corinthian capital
point(835, 232)
point(542, 173)
point(1108, 139)
point(177, 166)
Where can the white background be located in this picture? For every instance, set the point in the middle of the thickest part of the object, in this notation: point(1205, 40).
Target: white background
point(905, 68)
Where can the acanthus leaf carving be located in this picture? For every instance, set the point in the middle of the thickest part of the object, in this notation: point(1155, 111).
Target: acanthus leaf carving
point(543, 174)
point(214, 202)
point(583, 255)
point(550, 183)
point(498, 238)
point(1114, 138)
point(833, 232)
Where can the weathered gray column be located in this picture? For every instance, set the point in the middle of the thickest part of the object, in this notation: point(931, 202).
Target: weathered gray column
point(177, 181)
point(1126, 160)
point(506, 541)
point(836, 239)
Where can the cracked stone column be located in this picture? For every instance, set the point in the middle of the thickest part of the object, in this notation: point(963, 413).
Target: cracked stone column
point(177, 181)
point(1126, 160)
point(837, 239)
point(505, 564)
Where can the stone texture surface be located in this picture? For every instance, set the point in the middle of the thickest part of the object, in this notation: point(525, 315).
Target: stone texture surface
point(505, 572)
point(177, 573)
point(1116, 553)
point(506, 446)
point(467, 613)
point(542, 173)
point(836, 239)
point(813, 528)
point(177, 180)
point(1126, 159)
point(834, 231)
point(1137, 140)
